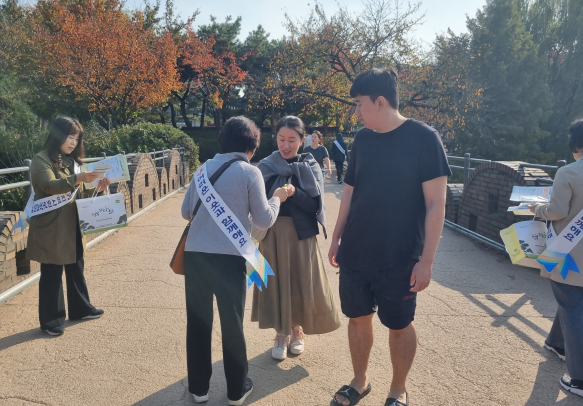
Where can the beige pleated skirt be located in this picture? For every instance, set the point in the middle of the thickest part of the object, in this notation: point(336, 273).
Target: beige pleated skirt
point(299, 293)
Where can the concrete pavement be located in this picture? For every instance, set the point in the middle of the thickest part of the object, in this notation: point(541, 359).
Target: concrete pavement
point(481, 325)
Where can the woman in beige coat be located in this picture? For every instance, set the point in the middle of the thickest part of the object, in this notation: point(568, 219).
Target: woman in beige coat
point(566, 336)
point(54, 238)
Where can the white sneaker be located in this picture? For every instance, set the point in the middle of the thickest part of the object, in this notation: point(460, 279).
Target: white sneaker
point(297, 341)
point(280, 344)
point(201, 399)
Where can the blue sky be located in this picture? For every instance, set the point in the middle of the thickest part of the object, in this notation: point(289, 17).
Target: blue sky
point(439, 14)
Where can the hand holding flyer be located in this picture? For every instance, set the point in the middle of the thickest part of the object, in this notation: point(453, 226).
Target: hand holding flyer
point(114, 168)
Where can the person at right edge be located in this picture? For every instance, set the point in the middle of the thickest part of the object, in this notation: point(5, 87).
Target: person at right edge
point(388, 229)
point(339, 157)
point(566, 335)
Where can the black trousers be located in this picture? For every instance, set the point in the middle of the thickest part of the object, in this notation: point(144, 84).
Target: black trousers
point(51, 301)
point(339, 169)
point(222, 276)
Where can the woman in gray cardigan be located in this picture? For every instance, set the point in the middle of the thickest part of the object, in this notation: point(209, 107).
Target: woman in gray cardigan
point(566, 336)
point(214, 266)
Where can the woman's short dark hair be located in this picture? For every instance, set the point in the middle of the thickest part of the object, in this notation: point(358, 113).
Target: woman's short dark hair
point(576, 136)
point(293, 122)
point(377, 82)
point(59, 131)
point(239, 134)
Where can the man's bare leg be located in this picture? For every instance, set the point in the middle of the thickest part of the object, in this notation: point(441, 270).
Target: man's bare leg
point(403, 345)
point(360, 339)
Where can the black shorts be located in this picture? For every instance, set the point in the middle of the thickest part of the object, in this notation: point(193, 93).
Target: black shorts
point(387, 292)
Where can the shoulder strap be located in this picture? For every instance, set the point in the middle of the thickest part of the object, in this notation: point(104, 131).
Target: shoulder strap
point(213, 179)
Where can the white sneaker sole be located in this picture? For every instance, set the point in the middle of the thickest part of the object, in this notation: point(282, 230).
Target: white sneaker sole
point(278, 357)
point(572, 390)
point(240, 401)
point(295, 351)
point(551, 349)
point(200, 399)
point(91, 317)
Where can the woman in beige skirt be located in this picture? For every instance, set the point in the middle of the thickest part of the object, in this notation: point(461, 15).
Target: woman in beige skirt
point(298, 299)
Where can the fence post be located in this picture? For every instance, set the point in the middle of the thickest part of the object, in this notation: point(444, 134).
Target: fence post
point(123, 152)
point(103, 155)
point(561, 163)
point(153, 154)
point(28, 189)
point(466, 168)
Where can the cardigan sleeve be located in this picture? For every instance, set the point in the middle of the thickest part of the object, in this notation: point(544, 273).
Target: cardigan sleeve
point(558, 207)
point(44, 178)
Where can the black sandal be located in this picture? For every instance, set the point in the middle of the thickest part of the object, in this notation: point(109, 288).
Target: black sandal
point(351, 394)
point(395, 402)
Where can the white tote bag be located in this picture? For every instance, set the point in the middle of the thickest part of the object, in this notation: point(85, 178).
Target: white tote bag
point(102, 213)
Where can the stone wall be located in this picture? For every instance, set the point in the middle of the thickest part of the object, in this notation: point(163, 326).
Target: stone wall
point(486, 197)
point(13, 265)
point(144, 183)
point(147, 184)
point(453, 200)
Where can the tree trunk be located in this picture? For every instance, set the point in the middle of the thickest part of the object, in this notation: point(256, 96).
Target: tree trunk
point(161, 114)
point(172, 114)
point(202, 112)
point(183, 111)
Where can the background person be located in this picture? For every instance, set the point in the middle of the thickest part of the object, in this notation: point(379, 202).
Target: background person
point(385, 246)
point(54, 238)
point(320, 153)
point(214, 266)
point(339, 157)
point(566, 335)
point(298, 298)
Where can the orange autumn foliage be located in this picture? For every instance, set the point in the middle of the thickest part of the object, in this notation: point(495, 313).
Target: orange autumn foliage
point(104, 56)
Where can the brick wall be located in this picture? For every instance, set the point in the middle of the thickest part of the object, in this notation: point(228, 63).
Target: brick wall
point(486, 197)
point(163, 181)
point(174, 170)
point(453, 200)
point(144, 183)
point(13, 266)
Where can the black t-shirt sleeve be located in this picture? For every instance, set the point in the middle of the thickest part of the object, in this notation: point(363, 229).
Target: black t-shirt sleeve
point(350, 176)
point(433, 161)
point(325, 153)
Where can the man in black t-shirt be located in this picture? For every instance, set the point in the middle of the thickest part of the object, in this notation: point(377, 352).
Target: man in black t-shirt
point(389, 225)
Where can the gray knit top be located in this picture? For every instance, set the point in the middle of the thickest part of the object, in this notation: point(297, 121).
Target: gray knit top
point(242, 188)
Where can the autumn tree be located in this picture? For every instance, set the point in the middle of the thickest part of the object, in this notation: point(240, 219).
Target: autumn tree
point(107, 58)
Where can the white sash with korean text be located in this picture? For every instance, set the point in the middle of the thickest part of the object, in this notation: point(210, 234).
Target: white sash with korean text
point(559, 247)
point(44, 205)
point(339, 147)
point(231, 226)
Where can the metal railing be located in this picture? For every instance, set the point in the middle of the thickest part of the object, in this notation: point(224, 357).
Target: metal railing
point(468, 160)
point(26, 169)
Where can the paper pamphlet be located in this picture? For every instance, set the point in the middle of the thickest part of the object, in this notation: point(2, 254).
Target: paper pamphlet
point(115, 168)
point(531, 194)
point(521, 210)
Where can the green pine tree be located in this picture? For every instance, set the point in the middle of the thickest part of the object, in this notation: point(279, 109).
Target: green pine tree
point(515, 98)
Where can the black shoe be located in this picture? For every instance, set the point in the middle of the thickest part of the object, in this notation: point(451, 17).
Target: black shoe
point(248, 390)
point(95, 314)
point(55, 331)
point(572, 385)
point(559, 351)
point(395, 402)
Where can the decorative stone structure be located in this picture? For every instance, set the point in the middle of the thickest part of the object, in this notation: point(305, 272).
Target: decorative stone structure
point(486, 197)
point(124, 189)
point(174, 170)
point(13, 266)
point(162, 181)
point(453, 199)
point(144, 184)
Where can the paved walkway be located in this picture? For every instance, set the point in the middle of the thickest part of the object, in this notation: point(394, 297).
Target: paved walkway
point(481, 326)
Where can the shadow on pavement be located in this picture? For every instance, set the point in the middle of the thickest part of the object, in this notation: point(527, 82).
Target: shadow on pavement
point(268, 378)
point(22, 337)
point(546, 388)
